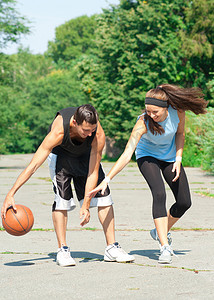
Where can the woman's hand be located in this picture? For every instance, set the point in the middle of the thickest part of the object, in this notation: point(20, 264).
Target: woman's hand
point(101, 187)
point(176, 168)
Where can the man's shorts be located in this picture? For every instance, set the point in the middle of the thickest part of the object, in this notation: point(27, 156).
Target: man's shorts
point(62, 171)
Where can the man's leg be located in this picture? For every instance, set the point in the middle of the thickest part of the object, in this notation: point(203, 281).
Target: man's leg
point(113, 251)
point(106, 217)
point(60, 224)
point(62, 203)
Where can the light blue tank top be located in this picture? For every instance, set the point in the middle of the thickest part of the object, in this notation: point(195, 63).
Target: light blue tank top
point(161, 146)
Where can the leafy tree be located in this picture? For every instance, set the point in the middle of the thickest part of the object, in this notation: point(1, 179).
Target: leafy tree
point(12, 25)
point(72, 39)
point(198, 41)
point(30, 67)
point(31, 92)
point(139, 46)
point(46, 96)
point(18, 71)
point(13, 130)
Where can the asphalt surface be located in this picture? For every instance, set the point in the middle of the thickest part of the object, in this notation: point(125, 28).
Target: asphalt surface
point(27, 263)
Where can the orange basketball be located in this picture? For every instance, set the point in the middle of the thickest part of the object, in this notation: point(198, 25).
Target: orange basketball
point(18, 222)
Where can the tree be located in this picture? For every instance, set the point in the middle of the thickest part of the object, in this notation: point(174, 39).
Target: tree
point(31, 92)
point(46, 96)
point(139, 46)
point(12, 25)
point(198, 41)
point(18, 71)
point(72, 39)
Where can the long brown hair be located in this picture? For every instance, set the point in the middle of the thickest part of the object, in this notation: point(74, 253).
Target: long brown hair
point(181, 99)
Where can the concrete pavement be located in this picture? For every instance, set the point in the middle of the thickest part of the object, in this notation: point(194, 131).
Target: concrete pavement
point(28, 269)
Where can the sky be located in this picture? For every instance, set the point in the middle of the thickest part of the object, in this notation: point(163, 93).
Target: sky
point(46, 15)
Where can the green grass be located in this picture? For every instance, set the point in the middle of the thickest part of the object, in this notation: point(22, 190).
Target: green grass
point(90, 228)
point(191, 229)
point(48, 179)
point(206, 194)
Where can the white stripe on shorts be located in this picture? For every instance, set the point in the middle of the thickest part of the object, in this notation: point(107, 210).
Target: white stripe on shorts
point(61, 204)
point(99, 201)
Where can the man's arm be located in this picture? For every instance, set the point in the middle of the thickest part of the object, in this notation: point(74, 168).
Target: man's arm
point(54, 138)
point(94, 164)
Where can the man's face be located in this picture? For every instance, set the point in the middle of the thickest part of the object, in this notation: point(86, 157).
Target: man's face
point(85, 129)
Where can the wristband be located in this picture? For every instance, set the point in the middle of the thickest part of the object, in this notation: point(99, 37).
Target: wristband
point(107, 179)
point(179, 158)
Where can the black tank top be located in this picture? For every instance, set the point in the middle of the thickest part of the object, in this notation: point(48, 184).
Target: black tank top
point(68, 147)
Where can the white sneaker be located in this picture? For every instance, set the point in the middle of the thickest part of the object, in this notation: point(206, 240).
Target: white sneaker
point(114, 252)
point(64, 258)
point(166, 255)
point(155, 236)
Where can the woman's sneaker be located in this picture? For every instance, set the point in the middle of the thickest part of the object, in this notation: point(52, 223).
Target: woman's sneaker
point(155, 236)
point(64, 258)
point(166, 253)
point(114, 252)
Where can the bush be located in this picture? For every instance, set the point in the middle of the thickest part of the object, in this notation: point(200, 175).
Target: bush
point(198, 148)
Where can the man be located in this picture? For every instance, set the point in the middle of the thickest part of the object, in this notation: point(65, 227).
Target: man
point(74, 147)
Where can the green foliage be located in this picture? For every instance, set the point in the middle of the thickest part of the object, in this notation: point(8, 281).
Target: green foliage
point(199, 34)
point(138, 47)
point(46, 96)
point(12, 25)
point(17, 71)
point(74, 38)
point(140, 44)
point(118, 56)
point(199, 147)
point(210, 86)
point(13, 130)
point(197, 39)
point(31, 92)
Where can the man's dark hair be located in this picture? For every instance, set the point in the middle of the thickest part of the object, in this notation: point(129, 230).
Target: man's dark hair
point(86, 113)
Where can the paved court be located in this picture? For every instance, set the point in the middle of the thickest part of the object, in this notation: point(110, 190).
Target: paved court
point(27, 264)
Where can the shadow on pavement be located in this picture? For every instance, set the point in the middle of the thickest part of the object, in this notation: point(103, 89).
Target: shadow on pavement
point(85, 256)
point(154, 254)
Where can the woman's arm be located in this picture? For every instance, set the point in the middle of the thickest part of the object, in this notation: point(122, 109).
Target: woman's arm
point(179, 141)
point(137, 132)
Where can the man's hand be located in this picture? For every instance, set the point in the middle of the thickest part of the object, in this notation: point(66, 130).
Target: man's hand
point(8, 202)
point(84, 215)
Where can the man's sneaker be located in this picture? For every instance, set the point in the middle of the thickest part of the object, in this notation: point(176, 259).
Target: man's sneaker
point(64, 258)
point(155, 236)
point(166, 253)
point(114, 252)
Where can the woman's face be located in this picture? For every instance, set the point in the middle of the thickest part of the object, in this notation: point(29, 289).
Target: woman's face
point(158, 114)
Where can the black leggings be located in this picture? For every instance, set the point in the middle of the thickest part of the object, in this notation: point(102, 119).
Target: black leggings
point(150, 168)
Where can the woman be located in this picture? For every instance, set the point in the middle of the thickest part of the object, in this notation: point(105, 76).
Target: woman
point(158, 138)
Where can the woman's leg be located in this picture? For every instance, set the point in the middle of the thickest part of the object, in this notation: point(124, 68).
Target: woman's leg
point(181, 192)
point(150, 168)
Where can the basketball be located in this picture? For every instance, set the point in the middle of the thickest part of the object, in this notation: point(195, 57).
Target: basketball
point(18, 222)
